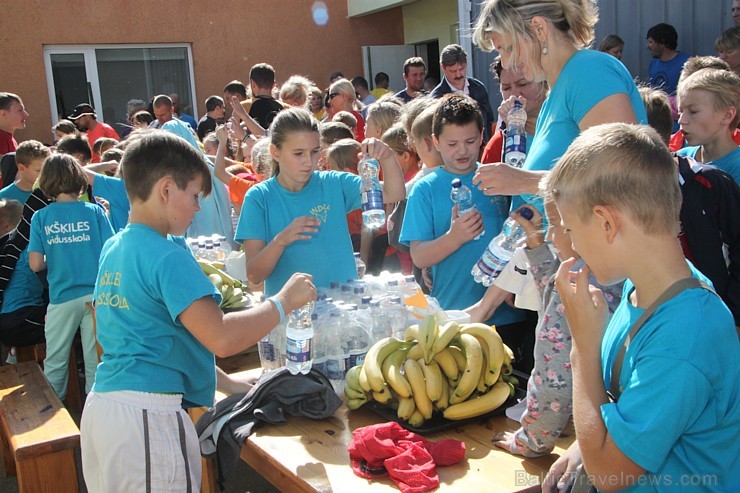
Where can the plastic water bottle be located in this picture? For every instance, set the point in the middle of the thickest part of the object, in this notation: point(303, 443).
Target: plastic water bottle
point(499, 250)
point(360, 265)
point(463, 198)
point(299, 340)
point(373, 212)
point(381, 328)
point(397, 317)
point(358, 341)
point(319, 342)
point(210, 253)
point(335, 364)
point(515, 147)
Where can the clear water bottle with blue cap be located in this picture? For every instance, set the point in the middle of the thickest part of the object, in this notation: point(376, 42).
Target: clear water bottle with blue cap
point(463, 198)
point(299, 340)
point(515, 147)
point(500, 250)
point(373, 212)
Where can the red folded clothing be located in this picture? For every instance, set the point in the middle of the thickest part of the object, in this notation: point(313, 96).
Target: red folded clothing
point(409, 459)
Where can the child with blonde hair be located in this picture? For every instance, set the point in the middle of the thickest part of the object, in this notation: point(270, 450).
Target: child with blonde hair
point(66, 239)
point(29, 158)
point(380, 117)
point(708, 102)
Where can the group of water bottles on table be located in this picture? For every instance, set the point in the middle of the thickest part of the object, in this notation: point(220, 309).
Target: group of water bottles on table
point(334, 333)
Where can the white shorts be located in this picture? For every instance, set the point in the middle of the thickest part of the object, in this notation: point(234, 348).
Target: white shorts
point(138, 441)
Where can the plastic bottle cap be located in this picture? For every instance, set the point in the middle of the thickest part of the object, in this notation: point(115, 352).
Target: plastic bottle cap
point(526, 213)
point(456, 183)
point(517, 104)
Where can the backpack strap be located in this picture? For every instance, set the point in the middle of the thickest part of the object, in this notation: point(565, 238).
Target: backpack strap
point(674, 290)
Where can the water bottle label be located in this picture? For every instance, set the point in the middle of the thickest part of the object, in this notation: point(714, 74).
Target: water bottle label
point(334, 369)
point(516, 143)
point(356, 359)
point(298, 351)
point(266, 351)
point(490, 264)
point(372, 200)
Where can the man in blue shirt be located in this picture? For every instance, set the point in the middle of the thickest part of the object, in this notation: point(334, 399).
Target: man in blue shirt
point(665, 67)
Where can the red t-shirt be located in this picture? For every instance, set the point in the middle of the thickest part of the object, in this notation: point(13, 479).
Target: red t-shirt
point(677, 140)
point(494, 148)
point(7, 143)
point(101, 130)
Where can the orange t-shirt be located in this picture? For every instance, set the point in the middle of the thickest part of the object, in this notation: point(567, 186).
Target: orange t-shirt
point(101, 130)
point(238, 188)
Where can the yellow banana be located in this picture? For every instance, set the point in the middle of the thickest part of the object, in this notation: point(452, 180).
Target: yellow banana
point(459, 357)
point(473, 367)
point(352, 393)
point(406, 407)
point(427, 335)
point(364, 384)
point(216, 280)
point(383, 396)
point(444, 401)
point(391, 369)
point(482, 387)
point(418, 388)
point(374, 360)
point(416, 419)
point(494, 347)
point(508, 354)
point(432, 380)
point(477, 406)
point(446, 333)
point(355, 403)
point(446, 362)
point(352, 377)
point(415, 353)
point(412, 333)
point(209, 269)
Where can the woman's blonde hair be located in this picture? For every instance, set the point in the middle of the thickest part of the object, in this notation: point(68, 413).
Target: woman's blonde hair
point(511, 18)
point(384, 115)
point(296, 89)
point(723, 85)
point(343, 86)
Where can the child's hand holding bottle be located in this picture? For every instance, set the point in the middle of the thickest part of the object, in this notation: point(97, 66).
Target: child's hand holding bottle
point(535, 237)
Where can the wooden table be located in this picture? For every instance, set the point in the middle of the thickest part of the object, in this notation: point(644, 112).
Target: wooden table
point(311, 456)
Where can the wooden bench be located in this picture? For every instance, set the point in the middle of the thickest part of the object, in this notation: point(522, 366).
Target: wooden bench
point(38, 436)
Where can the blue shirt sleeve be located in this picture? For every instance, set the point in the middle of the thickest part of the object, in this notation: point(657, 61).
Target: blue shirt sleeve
point(36, 242)
point(418, 220)
point(104, 226)
point(180, 282)
point(350, 184)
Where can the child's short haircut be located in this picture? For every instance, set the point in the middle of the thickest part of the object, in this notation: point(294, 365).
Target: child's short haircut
point(75, 144)
point(103, 144)
point(237, 168)
point(422, 127)
point(62, 173)
point(381, 78)
point(157, 154)
point(114, 154)
point(29, 150)
point(11, 212)
point(65, 126)
point(7, 98)
point(345, 117)
point(383, 114)
point(659, 114)
point(211, 139)
point(696, 63)
point(263, 75)
point(213, 102)
point(624, 166)
point(724, 85)
point(236, 87)
point(261, 158)
point(343, 153)
point(142, 117)
point(334, 131)
point(414, 108)
point(398, 140)
point(456, 109)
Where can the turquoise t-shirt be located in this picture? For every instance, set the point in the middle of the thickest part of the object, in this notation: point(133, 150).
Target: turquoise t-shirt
point(429, 215)
point(328, 196)
point(214, 215)
point(678, 416)
point(113, 190)
point(145, 282)
point(13, 192)
point(24, 289)
point(71, 235)
point(586, 79)
point(730, 163)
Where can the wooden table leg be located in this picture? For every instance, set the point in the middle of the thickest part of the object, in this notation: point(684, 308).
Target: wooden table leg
point(49, 473)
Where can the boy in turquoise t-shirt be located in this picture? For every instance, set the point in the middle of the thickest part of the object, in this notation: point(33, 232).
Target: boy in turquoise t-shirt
point(673, 422)
point(437, 235)
point(29, 157)
point(159, 325)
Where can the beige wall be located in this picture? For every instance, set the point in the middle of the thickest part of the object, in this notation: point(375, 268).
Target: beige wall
point(225, 41)
point(427, 20)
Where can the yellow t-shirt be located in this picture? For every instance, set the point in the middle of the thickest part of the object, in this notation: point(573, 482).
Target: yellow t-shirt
point(378, 92)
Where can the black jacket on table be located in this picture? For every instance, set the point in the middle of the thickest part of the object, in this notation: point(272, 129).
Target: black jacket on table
point(710, 221)
point(478, 92)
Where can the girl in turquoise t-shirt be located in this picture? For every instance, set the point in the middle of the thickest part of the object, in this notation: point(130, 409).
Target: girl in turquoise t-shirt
point(296, 220)
point(66, 239)
point(708, 109)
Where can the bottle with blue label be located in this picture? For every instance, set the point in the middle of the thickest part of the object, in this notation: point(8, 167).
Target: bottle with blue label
point(500, 250)
point(373, 212)
point(515, 147)
point(463, 198)
point(299, 340)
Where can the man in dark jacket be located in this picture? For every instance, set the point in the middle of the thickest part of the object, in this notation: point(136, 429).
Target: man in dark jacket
point(453, 61)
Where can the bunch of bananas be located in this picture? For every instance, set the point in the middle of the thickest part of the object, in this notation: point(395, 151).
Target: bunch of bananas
point(462, 371)
point(234, 294)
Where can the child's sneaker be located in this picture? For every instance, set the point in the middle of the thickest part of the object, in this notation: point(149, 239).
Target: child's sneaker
point(11, 357)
